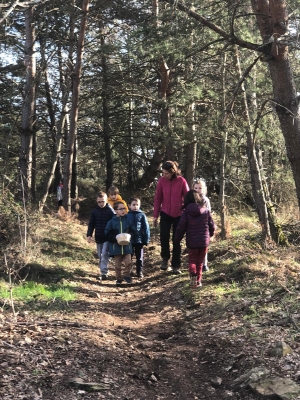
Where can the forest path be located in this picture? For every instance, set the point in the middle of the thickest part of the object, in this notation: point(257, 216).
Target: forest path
point(154, 339)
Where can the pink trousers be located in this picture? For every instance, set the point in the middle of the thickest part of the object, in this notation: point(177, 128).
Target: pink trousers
point(196, 259)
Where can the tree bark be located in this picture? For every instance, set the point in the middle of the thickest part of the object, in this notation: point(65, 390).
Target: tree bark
point(272, 19)
point(191, 148)
point(255, 172)
point(55, 170)
point(222, 200)
point(106, 116)
point(74, 110)
point(163, 85)
point(27, 126)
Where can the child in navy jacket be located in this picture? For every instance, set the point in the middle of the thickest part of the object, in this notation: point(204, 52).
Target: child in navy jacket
point(197, 223)
point(141, 236)
point(98, 220)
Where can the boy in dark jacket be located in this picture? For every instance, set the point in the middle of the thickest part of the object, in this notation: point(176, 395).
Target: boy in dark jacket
point(141, 236)
point(197, 223)
point(98, 220)
point(122, 253)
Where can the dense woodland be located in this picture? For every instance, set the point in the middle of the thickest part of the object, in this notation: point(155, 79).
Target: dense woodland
point(101, 92)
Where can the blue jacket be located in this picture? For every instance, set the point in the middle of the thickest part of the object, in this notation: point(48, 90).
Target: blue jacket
point(98, 220)
point(142, 229)
point(115, 226)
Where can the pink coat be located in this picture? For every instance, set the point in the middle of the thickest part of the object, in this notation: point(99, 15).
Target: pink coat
point(169, 196)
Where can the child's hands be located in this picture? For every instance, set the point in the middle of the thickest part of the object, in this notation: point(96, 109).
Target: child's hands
point(89, 239)
point(155, 222)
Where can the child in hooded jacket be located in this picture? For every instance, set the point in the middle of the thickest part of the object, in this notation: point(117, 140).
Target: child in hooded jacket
point(122, 253)
point(141, 236)
point(197, 223)
point(200, 187)
point(114, 196)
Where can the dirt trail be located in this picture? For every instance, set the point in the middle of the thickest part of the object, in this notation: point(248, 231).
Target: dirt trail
point(149, 340)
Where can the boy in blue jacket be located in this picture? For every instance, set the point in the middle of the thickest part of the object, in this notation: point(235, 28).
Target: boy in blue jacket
point(120, 224)
point(98, 220)
point(141, 235)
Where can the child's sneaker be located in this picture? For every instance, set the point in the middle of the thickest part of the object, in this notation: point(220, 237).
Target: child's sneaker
point(104, 277)
point(128, 279)
point(198, 285)
point(205, 268)
point(140, 275)
point(118, 282)
point(193, 283)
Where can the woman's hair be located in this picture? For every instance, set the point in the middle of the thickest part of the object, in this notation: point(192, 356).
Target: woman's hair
point(113, 190)
point(171, 166)
point(202, 183)
point(193, 197)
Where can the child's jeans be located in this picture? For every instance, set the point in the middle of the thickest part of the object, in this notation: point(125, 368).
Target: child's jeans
point(196, 259)
point(138, 251)
point(126, 259)
point(102, 250)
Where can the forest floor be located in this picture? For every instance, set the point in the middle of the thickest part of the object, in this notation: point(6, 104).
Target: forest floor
point(156, 338)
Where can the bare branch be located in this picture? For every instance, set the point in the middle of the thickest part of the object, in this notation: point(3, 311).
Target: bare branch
point(14, 5)
point(229, 108)
point(232, 39)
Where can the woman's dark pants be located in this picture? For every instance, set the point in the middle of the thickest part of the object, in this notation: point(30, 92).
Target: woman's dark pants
point(166, 223)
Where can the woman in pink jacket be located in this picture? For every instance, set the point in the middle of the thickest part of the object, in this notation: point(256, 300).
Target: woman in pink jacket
point(168, 203)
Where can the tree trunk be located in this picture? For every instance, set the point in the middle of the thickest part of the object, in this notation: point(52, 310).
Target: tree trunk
point(55, 170)
point(272, 19)
point(74, 187)
point(151, 170)
point(130, 142)
point(164, 113)
point(277, 233)
point(33, 175)
point(106, 124)
point(255, 172)
point(222, 199)
point(26, 133)
point(191, 148)
point(74, 110)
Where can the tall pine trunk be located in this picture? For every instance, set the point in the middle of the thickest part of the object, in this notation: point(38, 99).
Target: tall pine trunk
point(255, 172)
point(222, 198)
point(74, 110)
point(28, 110)
point(191, 148)
point(54, 172)
point(106, 116)
point(272, 18)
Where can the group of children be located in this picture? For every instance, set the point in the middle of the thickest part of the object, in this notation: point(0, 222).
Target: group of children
point(112, 217)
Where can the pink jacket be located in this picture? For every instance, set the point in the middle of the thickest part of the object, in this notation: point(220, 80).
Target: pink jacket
point(169, 196)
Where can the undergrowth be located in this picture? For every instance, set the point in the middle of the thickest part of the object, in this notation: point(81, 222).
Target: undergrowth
point(257, 286)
